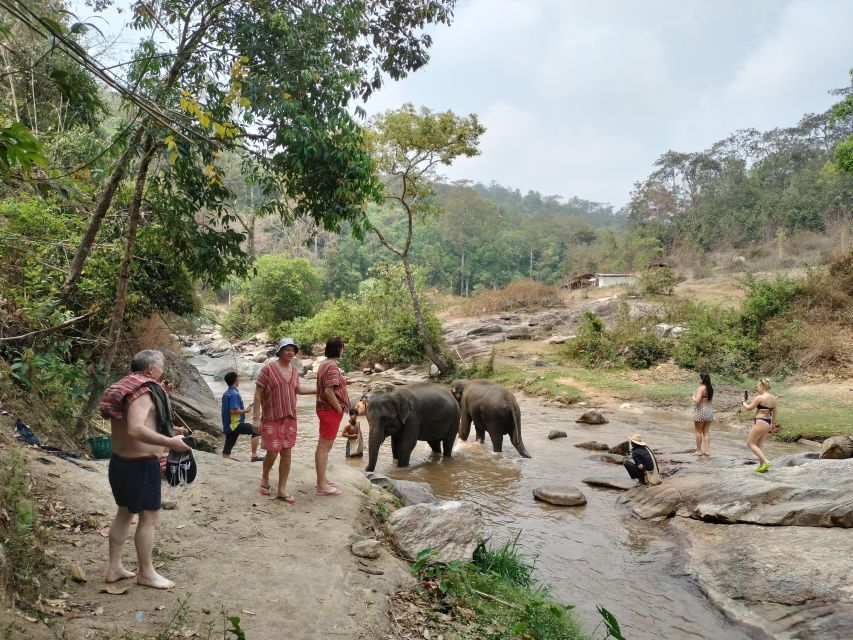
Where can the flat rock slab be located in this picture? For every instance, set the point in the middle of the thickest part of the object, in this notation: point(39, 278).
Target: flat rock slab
point(795, 580)
point(610, 483)
point(592, 445)
point(815, 494)
point(560, 495)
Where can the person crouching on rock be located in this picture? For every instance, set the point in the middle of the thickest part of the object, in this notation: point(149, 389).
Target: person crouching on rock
point(234, 418)
point(140, 415)
point(642, 465)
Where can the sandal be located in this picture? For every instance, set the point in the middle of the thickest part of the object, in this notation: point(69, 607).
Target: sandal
point(265, 490)
point(287, 499)
point(257, 458)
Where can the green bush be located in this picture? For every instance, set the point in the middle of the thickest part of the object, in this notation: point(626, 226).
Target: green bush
point(24, 563)
point(766, 299)
point(715, 343)
point(593, 346)
point(658, 281)
point(282, 289)
point(646, 351)
point(377, 325)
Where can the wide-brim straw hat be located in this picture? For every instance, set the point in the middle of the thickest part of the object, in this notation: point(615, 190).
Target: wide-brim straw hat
point(637, 439)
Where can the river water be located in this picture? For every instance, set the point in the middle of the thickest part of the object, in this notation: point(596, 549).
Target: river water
point(597, 554)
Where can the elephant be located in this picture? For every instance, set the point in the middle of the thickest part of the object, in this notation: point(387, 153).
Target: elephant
point(420, 411)
point(492, 408)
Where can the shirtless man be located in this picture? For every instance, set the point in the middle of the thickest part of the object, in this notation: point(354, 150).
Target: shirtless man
point(134, 470)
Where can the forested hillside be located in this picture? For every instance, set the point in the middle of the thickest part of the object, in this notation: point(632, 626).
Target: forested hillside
point(177, 177)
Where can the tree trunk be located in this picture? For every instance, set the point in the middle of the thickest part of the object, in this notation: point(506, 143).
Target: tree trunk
point(104, 203)
point(431, 353)
point(100, 382)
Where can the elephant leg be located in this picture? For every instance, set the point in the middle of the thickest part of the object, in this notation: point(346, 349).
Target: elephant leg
point(435, 445)
point(497, 440)
point(395, 447)
point(403, 460)
point(448, 444)
point(481, 434)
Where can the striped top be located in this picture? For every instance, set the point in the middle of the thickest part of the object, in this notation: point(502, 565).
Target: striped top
point(329, 375)
point(279, 399)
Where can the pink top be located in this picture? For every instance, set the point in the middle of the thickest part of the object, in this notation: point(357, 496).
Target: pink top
point(280, 394)
point(329, 375)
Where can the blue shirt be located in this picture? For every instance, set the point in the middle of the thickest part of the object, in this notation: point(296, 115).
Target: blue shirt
point(231, 400)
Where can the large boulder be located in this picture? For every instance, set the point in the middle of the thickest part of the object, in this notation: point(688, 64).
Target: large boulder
point(192, 400)
point(206, 442)
point(411, 492)
point(452, 528)
point(837, 448)
point(815, 494)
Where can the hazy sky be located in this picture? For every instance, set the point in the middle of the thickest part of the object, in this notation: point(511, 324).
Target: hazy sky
point(580, 98)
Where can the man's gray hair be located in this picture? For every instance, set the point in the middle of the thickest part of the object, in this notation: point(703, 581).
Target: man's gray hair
point(143, 360)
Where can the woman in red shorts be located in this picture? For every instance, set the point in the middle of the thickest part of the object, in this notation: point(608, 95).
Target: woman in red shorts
point(275, 394)
point(332, 404)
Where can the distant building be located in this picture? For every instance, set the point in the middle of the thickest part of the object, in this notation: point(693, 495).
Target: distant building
point(585, 280)
point(612, 279)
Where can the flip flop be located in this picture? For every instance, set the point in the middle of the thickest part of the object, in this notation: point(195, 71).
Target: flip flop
point(287, 499)
point(265, 490)
point(257, 459)
point(334, 491)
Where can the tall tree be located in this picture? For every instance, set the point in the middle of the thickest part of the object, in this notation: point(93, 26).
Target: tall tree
point(408, 147)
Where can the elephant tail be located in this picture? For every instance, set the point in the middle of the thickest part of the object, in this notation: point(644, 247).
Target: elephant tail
point(515, 436)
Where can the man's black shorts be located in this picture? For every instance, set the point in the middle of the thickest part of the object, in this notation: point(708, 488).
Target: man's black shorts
point(135, 483)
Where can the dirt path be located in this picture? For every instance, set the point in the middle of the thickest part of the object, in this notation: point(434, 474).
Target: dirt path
point(286, 571)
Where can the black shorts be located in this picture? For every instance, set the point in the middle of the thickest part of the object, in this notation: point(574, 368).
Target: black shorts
point(135, 483)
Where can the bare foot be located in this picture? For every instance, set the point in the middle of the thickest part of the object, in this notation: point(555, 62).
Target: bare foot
point(155, 581)
point(697, 453)
point(120, 574)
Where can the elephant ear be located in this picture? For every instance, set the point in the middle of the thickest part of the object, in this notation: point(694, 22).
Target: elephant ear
point(404, 408)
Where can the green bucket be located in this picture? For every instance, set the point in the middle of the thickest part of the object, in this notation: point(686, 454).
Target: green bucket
point(101, 447)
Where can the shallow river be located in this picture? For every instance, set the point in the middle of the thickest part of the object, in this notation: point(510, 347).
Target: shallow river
point(597, 554)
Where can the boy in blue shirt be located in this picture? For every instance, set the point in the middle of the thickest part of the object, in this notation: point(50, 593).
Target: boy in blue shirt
point(234, 418)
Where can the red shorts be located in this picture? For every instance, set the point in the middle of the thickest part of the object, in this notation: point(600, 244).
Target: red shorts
point(330, 420)
point(278, 434)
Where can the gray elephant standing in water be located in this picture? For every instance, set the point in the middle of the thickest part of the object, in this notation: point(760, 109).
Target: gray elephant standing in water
point(421, 411)
point(492, 408)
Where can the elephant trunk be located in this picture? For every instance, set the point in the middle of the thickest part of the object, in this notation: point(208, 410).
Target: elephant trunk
point(373, 443)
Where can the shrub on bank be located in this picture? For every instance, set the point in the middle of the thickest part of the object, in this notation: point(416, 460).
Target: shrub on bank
point(23, 563)
point(377, 325)
point(492, 597)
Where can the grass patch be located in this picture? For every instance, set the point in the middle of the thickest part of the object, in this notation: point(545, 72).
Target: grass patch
point(546, 385)
point(815, 418)
point(491, 598)
point(23, 563)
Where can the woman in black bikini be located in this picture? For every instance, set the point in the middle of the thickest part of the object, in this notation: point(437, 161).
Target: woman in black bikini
point(765, 415)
